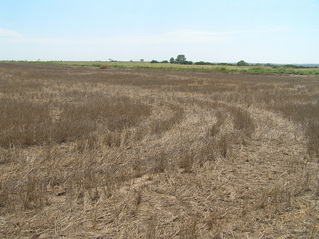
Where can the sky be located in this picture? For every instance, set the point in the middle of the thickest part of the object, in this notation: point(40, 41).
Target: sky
point(256, 31)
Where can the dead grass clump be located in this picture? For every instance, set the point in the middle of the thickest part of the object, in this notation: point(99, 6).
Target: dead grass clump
point(123, 112)
point(223, 145)
point(138, 196)
point(277, 199)
point(189, 229)
point(83, 191)
point(217, 126)
point(161, 164)
point(302, 183)
point(112, 139)
point(213, 223)
point(186, 162)
point(160, 126)
point(151, 227)
point(137, 168)
point(242, 121)
point(22, 194)
point(22, 123)
point(104, 66)
point(306, 115)
point(313, 139)
point(207, 153)
point(33, 193)
point(109, 184)
point(29, 123)
point(9, 155)
point(6, 202)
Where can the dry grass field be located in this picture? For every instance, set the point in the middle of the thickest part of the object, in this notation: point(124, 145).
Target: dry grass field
point(127, 153)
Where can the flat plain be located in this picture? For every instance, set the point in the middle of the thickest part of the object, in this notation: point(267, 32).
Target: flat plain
point(147, 153)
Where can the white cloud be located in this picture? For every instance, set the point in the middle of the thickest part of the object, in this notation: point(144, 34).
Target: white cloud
point(8, 33)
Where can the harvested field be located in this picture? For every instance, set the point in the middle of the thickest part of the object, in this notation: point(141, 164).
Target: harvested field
point(123, 153)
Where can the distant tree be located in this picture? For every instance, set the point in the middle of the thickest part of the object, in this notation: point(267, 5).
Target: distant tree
point(165, 61)
point(154, 61)
point(203, 63)
point(172, 60)
point(180, 59)
point(142, 60)
point(242, 63)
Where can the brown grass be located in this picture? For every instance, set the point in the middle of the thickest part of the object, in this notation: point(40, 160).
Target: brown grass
point(120, 153)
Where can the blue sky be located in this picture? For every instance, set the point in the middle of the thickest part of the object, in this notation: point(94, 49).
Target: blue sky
point(264, 31)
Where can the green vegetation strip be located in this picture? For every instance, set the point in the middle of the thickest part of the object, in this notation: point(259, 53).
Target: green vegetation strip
point(250, 69)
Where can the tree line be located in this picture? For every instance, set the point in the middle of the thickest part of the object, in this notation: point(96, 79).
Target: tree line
point(181, 59)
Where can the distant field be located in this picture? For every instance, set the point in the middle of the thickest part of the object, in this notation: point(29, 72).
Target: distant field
point(142, 153)
point(167, 66)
